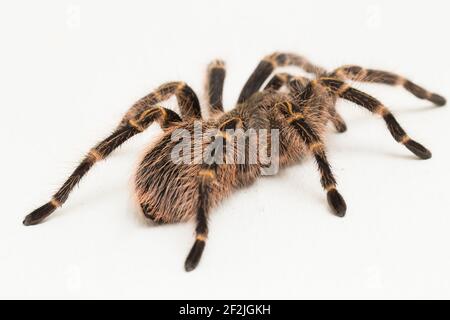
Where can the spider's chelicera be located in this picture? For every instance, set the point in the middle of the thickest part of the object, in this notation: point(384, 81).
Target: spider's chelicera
point(197, 162)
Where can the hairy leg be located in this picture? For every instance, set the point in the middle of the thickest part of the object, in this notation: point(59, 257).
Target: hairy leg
point(345, 91)
point(215, 78)
point(314, 143)
point(357, 73)
point(140, 116)
point(269, 64)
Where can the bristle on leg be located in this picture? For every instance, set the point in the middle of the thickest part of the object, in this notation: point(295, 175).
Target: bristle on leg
point(40, 214)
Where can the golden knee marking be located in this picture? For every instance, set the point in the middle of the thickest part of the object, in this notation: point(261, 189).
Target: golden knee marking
point(361, 75)
point(163, 112)
point(400, 81)
point(55, 203)
point(158, 94)
point(381, 110)
point(346, 73)
point(296, 117)
point(271, 59)
point(180, 87)
point(152, 111)
point(330, 187)
point(340, 74)
point(136, 125)
point(95, 155)
point(342, 89)
point(316, 147)
point(404, 139)
point(207, 173)
point(201, 237)
point(224, 135)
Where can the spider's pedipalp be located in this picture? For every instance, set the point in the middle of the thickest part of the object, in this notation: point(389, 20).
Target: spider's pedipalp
point(368, 102)
point(357, 73)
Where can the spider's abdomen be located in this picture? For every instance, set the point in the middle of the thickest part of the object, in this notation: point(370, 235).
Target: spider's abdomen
point(168, 190)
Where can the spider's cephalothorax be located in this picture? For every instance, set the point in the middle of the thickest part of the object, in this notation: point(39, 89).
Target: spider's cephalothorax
point(171, 191)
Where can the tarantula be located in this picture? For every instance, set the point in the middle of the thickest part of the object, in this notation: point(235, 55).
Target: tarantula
point(299, 107)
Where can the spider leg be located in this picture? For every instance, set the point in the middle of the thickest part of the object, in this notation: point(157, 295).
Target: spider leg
point(364, 100)
point(215, 77)
point(316, 146)
point(357, 73)
point(337, 120)
point(298, 84)
point(139, 117)
point(269, 64)
point(186, 97)
point(207, 179)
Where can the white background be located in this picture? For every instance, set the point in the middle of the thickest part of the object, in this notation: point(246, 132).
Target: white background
point(70, 69)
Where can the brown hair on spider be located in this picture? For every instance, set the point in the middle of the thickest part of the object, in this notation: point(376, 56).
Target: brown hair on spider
point(169, 191)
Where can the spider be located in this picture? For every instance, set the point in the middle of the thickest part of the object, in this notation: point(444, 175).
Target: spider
point(299, 107)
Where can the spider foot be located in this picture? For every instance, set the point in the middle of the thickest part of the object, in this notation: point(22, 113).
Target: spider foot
point(336, 202)
point(418, 149)
point(39, 214)
point(194, 256)
point(438, 100)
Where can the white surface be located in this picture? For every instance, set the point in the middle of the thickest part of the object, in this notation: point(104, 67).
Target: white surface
point(69, 69)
